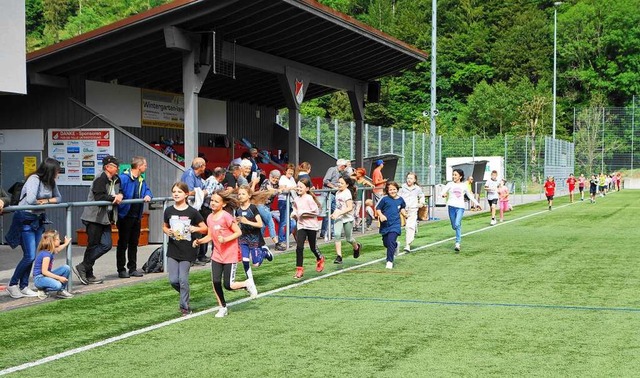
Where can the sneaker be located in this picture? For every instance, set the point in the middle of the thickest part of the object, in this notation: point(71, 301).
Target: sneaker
point(186, 312)
point(457, 247)
point(80, 271)
point(267, 253)
point(300, 271)
point(94, 280)
point(14, 291)
point(407, 249)
point(136, 273)
point(549, 208)
point(222, 312)
point(42, 294)
point(281, 246)
point(368, 228)
point(63, 294)
point(493, 222)
point(320, 264)
point(356, 250)
point(251, 288)
point(123, 274)
point(338, 260)
point(26, 292)
point(389, 265)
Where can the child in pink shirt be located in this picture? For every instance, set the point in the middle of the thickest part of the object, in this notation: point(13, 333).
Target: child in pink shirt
point(224, 231)
point(306, 209)
point(503, 198)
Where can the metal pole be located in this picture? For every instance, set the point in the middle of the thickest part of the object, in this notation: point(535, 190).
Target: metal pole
point(69, 250)
point(165, 239)
point(366, 140)
point(287, 218)
point(434, 111)
point(473, 148)
point(351, 154)
point(504, 173)
point(555, 53)
point(526, 161)
point(404, 161)
point(422, 155)
point(318, 132)
point(633, 123)
point(363, 210)
point(335, 138)
point(391, 139)
point(379, 140)
point(413, 151)
point(602, 155)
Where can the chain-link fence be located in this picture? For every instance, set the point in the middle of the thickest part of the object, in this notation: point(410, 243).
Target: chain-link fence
point(606, 139)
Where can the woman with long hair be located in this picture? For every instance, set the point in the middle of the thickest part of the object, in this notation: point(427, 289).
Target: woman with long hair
point(28, 225)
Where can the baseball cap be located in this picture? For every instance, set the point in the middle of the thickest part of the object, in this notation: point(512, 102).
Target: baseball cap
point(379, 162)
point(340, 162)
point(110, 160)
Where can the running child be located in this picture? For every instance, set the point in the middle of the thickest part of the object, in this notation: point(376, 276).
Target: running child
point(571, 183)
point(388, 210)
point(454, 191)
point(491, 186)
point(550, 190)
point(224, 231)
point(343, 217)
point(581, 183)
point(306, 208)
point(181, 221)
point(593, 188)
point(503, 198)
point(413, 197)
point(251, 241)
point(45, 278)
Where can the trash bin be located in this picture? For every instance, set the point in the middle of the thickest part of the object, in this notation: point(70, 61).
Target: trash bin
point(438, 199)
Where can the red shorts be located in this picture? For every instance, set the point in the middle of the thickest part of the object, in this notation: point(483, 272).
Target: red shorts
point(572, 188)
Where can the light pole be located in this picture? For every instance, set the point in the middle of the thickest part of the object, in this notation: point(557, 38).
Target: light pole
point(555, 52)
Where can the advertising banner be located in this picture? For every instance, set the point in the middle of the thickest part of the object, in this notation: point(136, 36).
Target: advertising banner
point(80, 153)
point(162, 109)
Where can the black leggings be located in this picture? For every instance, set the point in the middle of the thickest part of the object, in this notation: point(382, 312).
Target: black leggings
point(217, 270)
point(301, 236)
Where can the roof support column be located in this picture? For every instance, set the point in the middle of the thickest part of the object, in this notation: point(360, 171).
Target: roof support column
point(356, 98)
point(294, 84)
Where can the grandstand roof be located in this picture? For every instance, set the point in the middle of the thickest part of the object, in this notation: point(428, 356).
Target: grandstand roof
point(133, 51)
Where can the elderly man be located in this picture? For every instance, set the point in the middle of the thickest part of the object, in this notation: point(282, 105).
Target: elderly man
point(231, 177)
point(193, 178)
point(330, 181)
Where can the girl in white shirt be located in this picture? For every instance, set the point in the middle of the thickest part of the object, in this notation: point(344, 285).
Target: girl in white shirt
point(413, 196)
point(343, 217)
point(454, 191)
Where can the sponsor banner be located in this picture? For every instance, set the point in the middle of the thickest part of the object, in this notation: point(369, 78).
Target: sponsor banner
point(80, 153)
point(162, 109)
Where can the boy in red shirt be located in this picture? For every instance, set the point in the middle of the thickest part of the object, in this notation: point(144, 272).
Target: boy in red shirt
point(571, 182)
point(550, 190)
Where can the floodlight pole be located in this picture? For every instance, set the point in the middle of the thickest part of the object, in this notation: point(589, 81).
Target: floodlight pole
point(434, 111)
point(555, 53)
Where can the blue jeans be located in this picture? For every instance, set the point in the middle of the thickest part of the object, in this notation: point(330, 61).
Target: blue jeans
point(30, 237)
point(455, 216)
point(50, 284)
point(282, 233)
point(267, 220)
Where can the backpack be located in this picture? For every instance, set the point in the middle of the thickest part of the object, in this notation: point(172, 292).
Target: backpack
point(155, 262)
point(15, 190)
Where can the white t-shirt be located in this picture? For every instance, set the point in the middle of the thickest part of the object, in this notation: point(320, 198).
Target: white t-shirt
point(342, 197)
point(492, 189)
point(285, 182)
point(456, 192)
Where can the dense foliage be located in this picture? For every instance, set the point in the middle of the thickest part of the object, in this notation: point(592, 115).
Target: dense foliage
point(495, 58)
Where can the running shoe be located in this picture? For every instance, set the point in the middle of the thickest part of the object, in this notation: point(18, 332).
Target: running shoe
point(356, 250)
point(320, 264)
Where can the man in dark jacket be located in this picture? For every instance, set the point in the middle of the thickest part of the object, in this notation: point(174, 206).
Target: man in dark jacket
point(133, 186)
point(98, 219)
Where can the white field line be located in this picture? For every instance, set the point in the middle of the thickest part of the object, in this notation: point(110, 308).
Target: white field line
point(127, 335)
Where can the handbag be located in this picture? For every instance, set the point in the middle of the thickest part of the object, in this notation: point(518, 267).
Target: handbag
point(423, 213)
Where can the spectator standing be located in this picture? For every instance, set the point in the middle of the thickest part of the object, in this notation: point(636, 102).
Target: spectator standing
point(133, 186)
point(27, 226)
point(181, 224)
point(378, 181)
point(413, 197)
point(98, 219)
point(253, 158)
point(193, 178)
point(330, 181)
point(287, 185)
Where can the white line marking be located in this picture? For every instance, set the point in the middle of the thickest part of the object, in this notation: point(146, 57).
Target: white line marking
point(127, 335)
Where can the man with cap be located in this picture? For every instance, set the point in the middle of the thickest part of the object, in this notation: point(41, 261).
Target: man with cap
point(98, 219)
point(330, 181)
point(378, 181)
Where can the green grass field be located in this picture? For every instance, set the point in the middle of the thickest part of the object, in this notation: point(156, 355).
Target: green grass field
point(548, 293)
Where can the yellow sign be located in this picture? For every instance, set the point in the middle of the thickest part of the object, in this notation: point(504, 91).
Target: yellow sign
point(30, 165)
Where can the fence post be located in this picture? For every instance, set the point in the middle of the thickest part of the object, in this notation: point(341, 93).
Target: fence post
point(413, 151)
point(335, 138)
point(287, 218)
point(422, 156)
point(391, 139)
point(602, 154)
point(366, 140)
point(351, 125)
point(165, 240)
point(404, 161)
point(439, 174)
point(318, 131)
point(473, 148)
point(633, 126)
point(379, 140)
point(504, 173)
point(526, 161)
point(69, 250)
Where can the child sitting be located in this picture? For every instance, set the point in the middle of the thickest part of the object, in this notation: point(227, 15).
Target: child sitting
point(46, 278)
